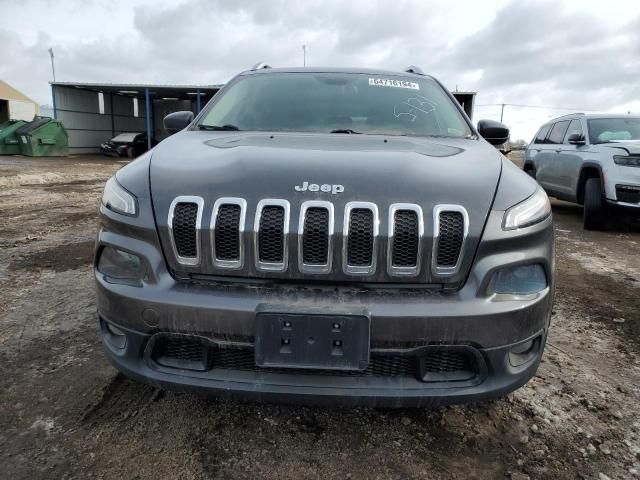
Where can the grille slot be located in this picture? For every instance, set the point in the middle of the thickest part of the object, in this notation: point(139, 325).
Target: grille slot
point(271, 229)
point(315, 237)
point(227, 228)
point(405, 239)
point(184, 222)
point(271, 235)
point(450, 226)
point(450, 238)
point(406, 229)
point(360, 240)
point(227, 233)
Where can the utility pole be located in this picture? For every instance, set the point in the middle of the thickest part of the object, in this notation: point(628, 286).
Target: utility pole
point(501, 112)
point(53, 68)
point(304, 55)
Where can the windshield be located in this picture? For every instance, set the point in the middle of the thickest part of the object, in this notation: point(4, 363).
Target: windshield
point(337, 103)
point(603, 130)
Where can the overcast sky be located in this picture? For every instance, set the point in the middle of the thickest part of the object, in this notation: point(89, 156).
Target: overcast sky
point(574, 54)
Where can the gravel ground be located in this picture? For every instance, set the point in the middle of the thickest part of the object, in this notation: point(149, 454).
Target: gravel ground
point(65, 413)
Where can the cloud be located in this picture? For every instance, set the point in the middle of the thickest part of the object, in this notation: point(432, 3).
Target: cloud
point(577, 54)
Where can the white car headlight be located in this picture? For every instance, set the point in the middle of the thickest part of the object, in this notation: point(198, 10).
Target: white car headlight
point(528, 212)
point(118, 199)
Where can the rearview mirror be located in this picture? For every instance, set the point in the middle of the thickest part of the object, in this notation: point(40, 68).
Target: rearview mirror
point(176, 121)
point(493, 132)
point(576, 139)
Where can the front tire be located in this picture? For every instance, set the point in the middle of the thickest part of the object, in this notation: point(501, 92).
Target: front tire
point(594, 206)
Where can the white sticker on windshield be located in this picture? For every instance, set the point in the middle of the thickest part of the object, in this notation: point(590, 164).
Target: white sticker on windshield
point(389, 82)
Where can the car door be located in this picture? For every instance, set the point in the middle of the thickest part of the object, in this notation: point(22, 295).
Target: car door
point(535, 151)
point(568, 161)
point(545, 152)
point(552, 168)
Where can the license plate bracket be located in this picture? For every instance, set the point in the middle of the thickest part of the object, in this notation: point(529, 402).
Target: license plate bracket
point(312, 341)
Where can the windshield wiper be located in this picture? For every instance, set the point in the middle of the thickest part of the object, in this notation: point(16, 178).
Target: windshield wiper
point(230, 128)
point(343, 130)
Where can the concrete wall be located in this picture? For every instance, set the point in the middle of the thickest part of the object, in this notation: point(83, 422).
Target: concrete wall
point(79, 111)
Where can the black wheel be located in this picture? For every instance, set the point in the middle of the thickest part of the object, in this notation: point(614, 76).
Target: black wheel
point(594, 207)
point(130, 152)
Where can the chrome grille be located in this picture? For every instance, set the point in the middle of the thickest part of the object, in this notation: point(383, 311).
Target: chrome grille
point(406, 229)
point(185, 214)
point(451, 225)
point(271, 229)
point(315, 237)
point(271, 235)
point(360, 238)
point(270, 246)
point(450, 239)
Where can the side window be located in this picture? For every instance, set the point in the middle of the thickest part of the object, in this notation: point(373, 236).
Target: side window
point(574, 127)
point(557, 132)
point(542, 133)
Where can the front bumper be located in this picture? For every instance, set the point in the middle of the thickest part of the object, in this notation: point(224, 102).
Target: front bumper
point(403, 322)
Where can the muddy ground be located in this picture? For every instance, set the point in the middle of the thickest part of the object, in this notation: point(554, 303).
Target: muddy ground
point(66, 413)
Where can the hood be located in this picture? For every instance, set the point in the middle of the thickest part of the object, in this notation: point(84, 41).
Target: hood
point(632, 147)
point(368, 168)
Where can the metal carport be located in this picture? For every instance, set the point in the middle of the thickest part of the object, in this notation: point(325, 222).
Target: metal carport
point(95, 112)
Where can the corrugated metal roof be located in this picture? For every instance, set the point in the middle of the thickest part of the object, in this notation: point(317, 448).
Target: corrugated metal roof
point(133, 85)
point(123, 87)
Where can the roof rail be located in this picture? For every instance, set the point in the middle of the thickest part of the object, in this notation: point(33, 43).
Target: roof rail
point(569, 115)
point(260, 66)
point(413, 69)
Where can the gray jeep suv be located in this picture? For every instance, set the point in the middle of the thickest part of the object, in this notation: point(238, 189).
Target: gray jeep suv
point(327, 236)
point(593, 160)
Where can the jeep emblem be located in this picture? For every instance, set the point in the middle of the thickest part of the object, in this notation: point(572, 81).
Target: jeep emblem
point(325, 187)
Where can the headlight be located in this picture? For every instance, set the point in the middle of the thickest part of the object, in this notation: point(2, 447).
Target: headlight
point(528, 212)
point(118, 199)
point(627, 160)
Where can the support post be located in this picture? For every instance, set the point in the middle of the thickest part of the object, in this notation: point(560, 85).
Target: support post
point(113, 125)
point(53, 96)
point(148, 115)
point(198, 102)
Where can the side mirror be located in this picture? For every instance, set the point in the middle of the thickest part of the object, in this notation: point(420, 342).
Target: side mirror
point(576, 139)
point(493, 132)
point(176, 121)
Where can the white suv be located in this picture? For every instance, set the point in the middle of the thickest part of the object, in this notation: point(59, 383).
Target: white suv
point(593, 160)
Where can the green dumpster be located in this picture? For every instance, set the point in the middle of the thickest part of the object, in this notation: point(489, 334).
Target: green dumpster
point(43, 137)
point(9, 142)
